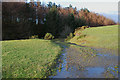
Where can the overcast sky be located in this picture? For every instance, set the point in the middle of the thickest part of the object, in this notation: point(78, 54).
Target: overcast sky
point(98, 6)
point(82, 0)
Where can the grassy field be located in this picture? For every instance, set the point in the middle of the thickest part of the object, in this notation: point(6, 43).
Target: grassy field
point(33, 58)
point(99, 37)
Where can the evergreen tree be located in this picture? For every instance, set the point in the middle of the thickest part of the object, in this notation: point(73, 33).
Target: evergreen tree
point(52, 24)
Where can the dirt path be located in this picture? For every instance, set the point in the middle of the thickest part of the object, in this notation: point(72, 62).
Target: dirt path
point(84, 62)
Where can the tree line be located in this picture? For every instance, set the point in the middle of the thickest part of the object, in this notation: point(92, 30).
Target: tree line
point(21, 20)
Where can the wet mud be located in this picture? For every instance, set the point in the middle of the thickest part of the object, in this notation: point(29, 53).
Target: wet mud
point(85, 62)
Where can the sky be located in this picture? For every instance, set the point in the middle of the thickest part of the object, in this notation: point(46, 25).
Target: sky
point(98, 6)
point(108, 8)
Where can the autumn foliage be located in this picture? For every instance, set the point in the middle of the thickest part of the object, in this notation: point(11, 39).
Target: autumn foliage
point(21, 20)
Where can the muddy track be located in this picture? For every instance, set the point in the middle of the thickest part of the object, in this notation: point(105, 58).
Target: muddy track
point(84, 62)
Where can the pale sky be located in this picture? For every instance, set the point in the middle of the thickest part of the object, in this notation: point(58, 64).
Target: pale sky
point(81, 0)
point(98, 6)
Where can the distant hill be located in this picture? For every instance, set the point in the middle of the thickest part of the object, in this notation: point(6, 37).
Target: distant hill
point(111, 16)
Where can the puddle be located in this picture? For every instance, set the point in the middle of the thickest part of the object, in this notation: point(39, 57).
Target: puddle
point(74, 70)
point(100, 54)
point(62, 73)
point(89, 72)
point(95, 72)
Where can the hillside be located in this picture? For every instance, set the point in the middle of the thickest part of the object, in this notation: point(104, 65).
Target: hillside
point(99, 37)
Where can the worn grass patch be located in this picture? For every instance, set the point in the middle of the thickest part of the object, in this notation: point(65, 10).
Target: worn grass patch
point(33, 58)
point(99, 37)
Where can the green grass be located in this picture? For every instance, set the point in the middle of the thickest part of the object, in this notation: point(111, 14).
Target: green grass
point(32, 58)
point(99, 37)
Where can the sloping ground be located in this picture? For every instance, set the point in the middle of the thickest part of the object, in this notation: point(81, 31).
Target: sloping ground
point(98, 37)
point(33, 58)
